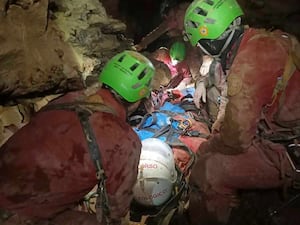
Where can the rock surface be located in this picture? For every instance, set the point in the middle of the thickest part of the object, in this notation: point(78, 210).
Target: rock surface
point(52, 46)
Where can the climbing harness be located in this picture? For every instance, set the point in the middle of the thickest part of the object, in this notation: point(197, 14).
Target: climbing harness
point(281, 132)
point(84, 110)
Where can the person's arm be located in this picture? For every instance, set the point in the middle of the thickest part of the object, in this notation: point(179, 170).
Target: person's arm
point(250, 85)
point(202, 80)
point(221, 85)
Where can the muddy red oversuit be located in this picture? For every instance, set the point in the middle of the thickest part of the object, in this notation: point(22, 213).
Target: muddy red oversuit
point(238, 158)
point(46, 167)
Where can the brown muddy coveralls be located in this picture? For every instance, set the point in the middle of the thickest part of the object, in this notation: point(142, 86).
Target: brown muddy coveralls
point(237, 158)
point(46, 167)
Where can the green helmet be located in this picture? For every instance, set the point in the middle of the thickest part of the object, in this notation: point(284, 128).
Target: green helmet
point(177, 51)
point(208, 19)
point(129, 74)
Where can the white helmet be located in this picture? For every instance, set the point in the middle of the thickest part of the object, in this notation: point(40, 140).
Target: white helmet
point(157, 173)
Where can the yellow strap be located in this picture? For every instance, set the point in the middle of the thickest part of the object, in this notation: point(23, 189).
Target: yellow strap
point(296, 57)
point(282, 81)
point(168, 217)
point(292, 63)
point(142, 222)
point(94, 99)
point(295, 51)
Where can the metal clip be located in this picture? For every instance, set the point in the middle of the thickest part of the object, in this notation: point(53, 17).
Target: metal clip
point(185, 124)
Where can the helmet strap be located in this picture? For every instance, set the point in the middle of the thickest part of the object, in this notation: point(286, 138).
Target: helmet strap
point(132, 107)
point(228, 35)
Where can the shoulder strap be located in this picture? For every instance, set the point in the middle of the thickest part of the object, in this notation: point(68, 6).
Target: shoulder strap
point(84, 110)
point(295, 52)
point(292, 64)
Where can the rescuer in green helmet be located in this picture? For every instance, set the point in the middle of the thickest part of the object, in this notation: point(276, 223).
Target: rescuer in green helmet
point(261, 120)
point(84, 137)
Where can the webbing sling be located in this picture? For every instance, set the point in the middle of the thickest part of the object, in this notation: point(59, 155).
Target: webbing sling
point(292, 64)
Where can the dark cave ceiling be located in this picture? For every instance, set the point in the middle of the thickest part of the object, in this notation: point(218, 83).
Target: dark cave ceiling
point(142, 16)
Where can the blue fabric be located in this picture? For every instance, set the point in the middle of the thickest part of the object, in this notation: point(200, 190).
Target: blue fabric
point(159, 120)
point(163, 119)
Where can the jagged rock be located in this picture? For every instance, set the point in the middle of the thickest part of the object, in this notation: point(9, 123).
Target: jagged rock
point(273, 14)
point(51, 47)
point(33, 55)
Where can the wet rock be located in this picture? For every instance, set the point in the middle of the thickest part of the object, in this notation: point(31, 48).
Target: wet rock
point(50, 47)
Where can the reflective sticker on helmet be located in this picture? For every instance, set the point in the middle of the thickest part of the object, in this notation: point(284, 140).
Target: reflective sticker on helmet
point(203, 31)
point(142, 92)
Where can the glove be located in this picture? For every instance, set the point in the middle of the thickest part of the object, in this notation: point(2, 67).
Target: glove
point(216, 127)
point(204, 69)
point(200, 94)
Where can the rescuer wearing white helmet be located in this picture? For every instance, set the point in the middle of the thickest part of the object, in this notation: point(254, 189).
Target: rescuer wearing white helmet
point(156, 174)
point(159, 184)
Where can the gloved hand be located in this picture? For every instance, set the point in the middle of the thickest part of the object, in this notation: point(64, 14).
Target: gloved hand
point(216, 127)
point(200, 94)
point(204, 69)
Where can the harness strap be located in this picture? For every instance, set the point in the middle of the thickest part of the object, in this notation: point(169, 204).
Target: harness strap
point(84, 110)
point(142, 123)
point(292, 64)
point(185, 148)
point(282, 81)
point(91, 141)
point(277, 134)
point(76, 105)
point(284, 132)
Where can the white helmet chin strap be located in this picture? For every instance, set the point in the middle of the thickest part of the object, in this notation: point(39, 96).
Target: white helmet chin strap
point(235, 25)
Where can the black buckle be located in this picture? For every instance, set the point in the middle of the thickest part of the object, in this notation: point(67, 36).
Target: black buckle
point(293, 155)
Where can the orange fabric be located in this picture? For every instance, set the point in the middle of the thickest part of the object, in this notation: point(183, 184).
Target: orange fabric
point(46, 167)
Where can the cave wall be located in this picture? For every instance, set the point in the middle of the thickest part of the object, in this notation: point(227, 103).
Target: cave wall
point(52, 46)
point(142, 16)
point(273, 14)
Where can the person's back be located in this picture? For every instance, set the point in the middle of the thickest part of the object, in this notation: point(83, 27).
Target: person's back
point(55, 161)
point(258, 82)
point(74, 143)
